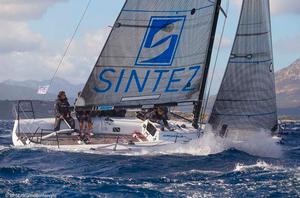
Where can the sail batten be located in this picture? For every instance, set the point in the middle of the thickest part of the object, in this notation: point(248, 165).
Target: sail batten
point(247, 98)
point(156, 48)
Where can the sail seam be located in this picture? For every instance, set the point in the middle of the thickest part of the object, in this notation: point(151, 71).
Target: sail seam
point(251, 62)
point(253, 34)
point(178, 57)
point(144, 20)
point(246, 115)
point(125, 66)
point(222, 100)
point(147, 26)
point(248, 24)
point(258, 90)
point(168, 11)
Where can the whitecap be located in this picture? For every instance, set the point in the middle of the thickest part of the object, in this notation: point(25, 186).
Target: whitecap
point(3, 147)
point(193, 171)
point(259, 164)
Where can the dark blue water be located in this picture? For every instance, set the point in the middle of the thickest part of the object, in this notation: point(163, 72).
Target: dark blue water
point(231, 173)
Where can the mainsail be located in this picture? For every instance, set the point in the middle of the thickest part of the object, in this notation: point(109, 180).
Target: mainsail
point(155, 54)
point(246, 98)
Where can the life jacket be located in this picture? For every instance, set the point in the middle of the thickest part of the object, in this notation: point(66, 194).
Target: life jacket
point(62, 107)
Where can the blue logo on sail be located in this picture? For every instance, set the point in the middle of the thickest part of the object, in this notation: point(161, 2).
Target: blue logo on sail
point(161, 41)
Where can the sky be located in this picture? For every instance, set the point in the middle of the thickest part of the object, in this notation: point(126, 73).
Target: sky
point(35, 33)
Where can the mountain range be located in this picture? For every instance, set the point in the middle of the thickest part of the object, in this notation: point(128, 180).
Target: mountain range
point(287, 89)
point(288, 86)
point(22, 90)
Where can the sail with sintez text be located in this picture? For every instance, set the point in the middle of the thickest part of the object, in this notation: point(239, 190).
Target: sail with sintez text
point(156, 53)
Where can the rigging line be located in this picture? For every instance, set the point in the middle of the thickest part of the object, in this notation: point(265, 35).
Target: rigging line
point(70, 42)
point(29, 129)
point(215, 64)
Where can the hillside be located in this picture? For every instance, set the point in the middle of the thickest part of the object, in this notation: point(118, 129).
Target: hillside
point(287, 89)
point(16, 90)
point(288, 86)
point(42, 109)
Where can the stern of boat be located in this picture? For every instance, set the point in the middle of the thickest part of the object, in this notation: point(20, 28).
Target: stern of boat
point(15, 138)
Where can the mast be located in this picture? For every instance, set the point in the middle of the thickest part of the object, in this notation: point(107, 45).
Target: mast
point(198, 104)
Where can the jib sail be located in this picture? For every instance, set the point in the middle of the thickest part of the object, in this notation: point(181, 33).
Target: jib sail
point(247, 98)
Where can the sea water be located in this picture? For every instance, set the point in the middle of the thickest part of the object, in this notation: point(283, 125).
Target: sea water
point(208, 167)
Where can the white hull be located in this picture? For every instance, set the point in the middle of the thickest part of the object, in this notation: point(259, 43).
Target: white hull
point(117, 134)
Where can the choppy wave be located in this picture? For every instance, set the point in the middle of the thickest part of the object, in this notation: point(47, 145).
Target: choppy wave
point(208, 167)
point(229, 173)
point(259, 164)
point(2, 147)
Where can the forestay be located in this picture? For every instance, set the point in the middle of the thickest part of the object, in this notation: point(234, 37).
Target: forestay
point(246, 98)
point(155, 54)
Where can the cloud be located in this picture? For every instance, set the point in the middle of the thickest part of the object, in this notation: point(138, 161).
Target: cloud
point(83, 55)
point(41, 63)
point(15, 34)
point(22, 10)
point(28, 55)
point(17, 37)
point(25, 65)
point(23, 51)
point(289, 44)
point(225, 43)
point(236, 3)
point(278, 7)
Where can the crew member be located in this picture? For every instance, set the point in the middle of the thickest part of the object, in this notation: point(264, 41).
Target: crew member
point(62, 111)
point(85, 123)
point(160, 116)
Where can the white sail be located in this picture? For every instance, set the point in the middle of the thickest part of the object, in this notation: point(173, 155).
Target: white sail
point(247, 98)
point(155, 54)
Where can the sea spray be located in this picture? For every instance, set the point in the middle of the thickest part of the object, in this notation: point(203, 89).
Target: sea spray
point(257, 143)
point(207, 144)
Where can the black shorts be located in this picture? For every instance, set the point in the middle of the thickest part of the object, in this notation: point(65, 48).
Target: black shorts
point(83, 117)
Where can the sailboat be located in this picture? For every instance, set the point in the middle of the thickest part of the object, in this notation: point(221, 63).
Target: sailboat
point(158, 53)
